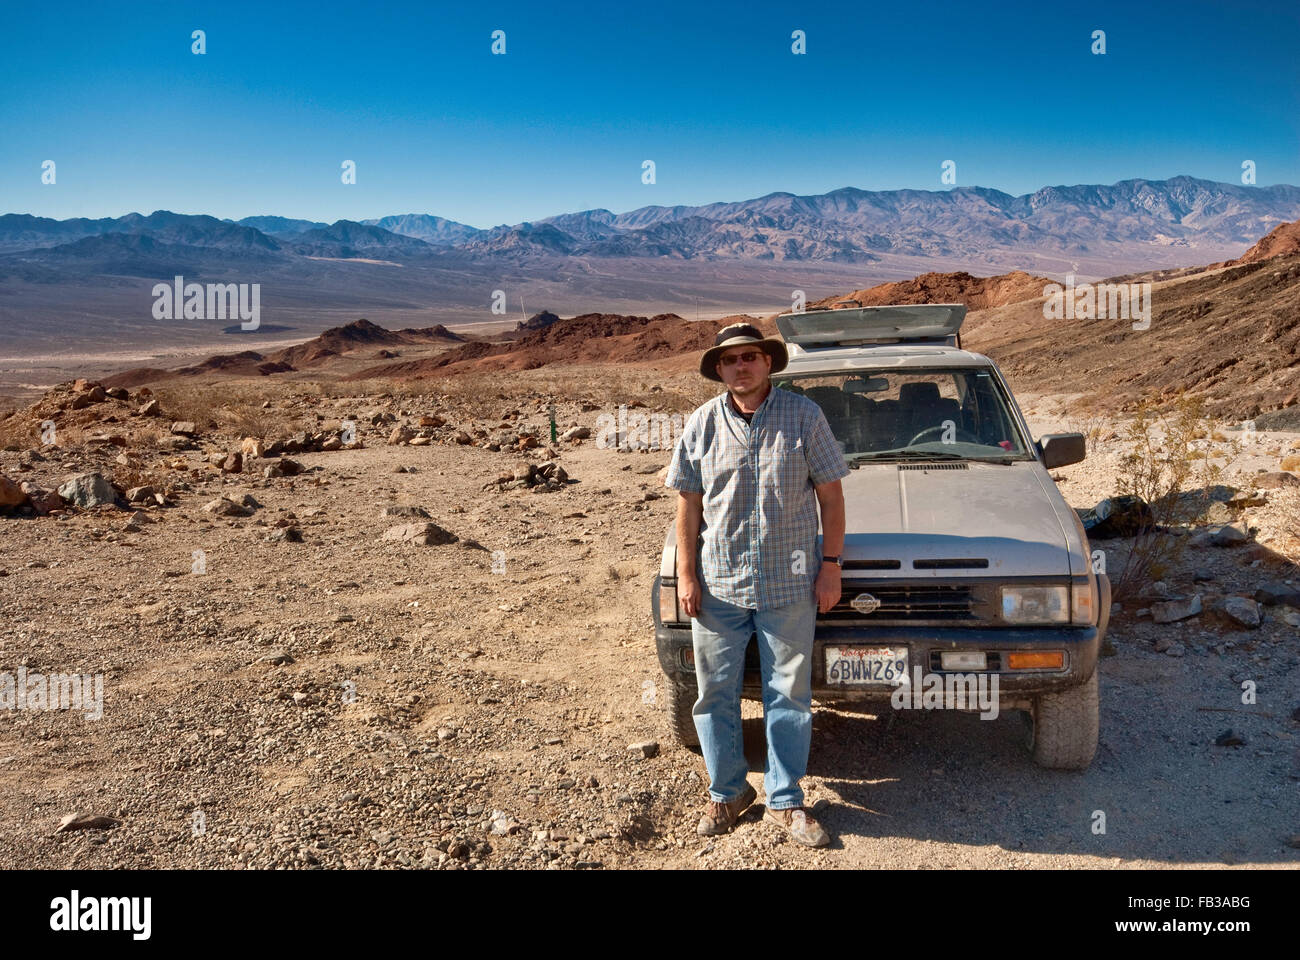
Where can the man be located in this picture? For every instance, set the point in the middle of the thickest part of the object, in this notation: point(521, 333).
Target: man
point(751, 467)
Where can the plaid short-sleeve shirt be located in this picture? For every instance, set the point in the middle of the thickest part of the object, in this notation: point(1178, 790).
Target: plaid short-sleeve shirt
point(759, 544)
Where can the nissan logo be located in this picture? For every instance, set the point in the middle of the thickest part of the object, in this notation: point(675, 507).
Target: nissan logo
point(865, 603)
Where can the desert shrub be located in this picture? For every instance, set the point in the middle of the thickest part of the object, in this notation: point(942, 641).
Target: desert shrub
point(1174, 476)
point(127, 477)
point(252, 420)
point(188, 401)
point(1091, 424)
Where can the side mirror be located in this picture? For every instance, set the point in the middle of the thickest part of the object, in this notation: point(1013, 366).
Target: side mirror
point(1062, 449)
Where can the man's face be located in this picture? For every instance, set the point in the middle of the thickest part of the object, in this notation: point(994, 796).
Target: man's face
point(744, 369)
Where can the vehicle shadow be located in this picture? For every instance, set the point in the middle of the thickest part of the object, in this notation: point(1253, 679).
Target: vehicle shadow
point(1159, 788)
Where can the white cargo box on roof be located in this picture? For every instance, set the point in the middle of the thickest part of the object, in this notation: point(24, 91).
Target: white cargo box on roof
point(852, 326)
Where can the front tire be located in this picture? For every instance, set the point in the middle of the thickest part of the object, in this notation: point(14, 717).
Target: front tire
point(681, 700)
point(1063, 727)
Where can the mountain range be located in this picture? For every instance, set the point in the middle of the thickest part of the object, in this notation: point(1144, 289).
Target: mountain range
point(846, 226)
point(84, 284)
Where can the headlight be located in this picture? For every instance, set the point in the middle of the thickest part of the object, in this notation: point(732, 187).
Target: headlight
point(1036, 604)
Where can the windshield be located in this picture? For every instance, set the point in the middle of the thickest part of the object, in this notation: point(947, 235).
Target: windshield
point(943, 413)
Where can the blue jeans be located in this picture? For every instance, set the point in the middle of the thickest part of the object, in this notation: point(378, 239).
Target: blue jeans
point(721, 633)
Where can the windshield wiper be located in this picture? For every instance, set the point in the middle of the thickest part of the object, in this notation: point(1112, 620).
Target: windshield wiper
point(909, 455)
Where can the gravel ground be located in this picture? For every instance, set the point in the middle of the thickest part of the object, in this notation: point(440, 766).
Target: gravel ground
point(346, 701)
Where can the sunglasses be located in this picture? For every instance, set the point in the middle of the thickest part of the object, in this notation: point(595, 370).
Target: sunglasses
point(749, 356)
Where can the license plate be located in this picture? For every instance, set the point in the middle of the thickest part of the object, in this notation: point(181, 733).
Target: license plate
point(862, 666)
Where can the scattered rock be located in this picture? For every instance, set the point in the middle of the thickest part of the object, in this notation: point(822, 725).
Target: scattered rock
point(1169, 611)
point(1229, 739)
point(1228, 534)
point(106, 440)
point(1242, 610)
point(43, 501)
point(1276, 479)
point(11, 493)
point(1274, 592)
point(223, 507)
point(404, 510)
point(424, 534)
point(95, 394)
point(143, 494)
point(184, 428)
point(86, 821)
point(88, 490)
point(648, 749)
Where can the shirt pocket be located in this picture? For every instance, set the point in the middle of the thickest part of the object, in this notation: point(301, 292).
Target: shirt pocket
point(785, 472)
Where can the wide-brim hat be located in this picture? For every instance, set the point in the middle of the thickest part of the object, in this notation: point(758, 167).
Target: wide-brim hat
point(737, 335)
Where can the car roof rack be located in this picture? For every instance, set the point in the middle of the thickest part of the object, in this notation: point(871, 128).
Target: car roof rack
point(933, 323)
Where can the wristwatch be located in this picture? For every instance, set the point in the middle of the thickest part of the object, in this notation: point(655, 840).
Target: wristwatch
point(835, 560)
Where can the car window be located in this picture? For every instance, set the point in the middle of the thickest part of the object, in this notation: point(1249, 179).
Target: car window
point(946, 412)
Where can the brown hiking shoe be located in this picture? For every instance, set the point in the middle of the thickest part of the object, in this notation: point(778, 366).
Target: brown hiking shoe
point(720, 817)
point(799, 823)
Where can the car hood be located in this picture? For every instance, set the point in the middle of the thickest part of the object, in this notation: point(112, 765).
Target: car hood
point(1009, 515)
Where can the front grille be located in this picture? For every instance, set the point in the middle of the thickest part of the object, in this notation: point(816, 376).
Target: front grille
point(909, 602)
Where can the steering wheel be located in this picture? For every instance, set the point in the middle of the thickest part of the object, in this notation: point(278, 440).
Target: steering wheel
point(961, 433)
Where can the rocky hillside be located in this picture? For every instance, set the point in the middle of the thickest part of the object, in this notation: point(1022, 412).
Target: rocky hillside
point(978, 293)
point(332, 344)
point(1230, 336)
point(589, 338)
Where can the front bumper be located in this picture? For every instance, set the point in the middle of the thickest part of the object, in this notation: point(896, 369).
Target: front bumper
point(1080, 646)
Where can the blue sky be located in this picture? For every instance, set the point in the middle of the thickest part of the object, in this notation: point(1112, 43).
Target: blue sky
point(585, 92)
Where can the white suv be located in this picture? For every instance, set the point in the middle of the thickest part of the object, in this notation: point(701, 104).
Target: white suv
point(960, 556)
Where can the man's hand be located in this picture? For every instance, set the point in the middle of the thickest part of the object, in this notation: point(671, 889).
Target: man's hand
point(688, 592)
point(827, 587)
